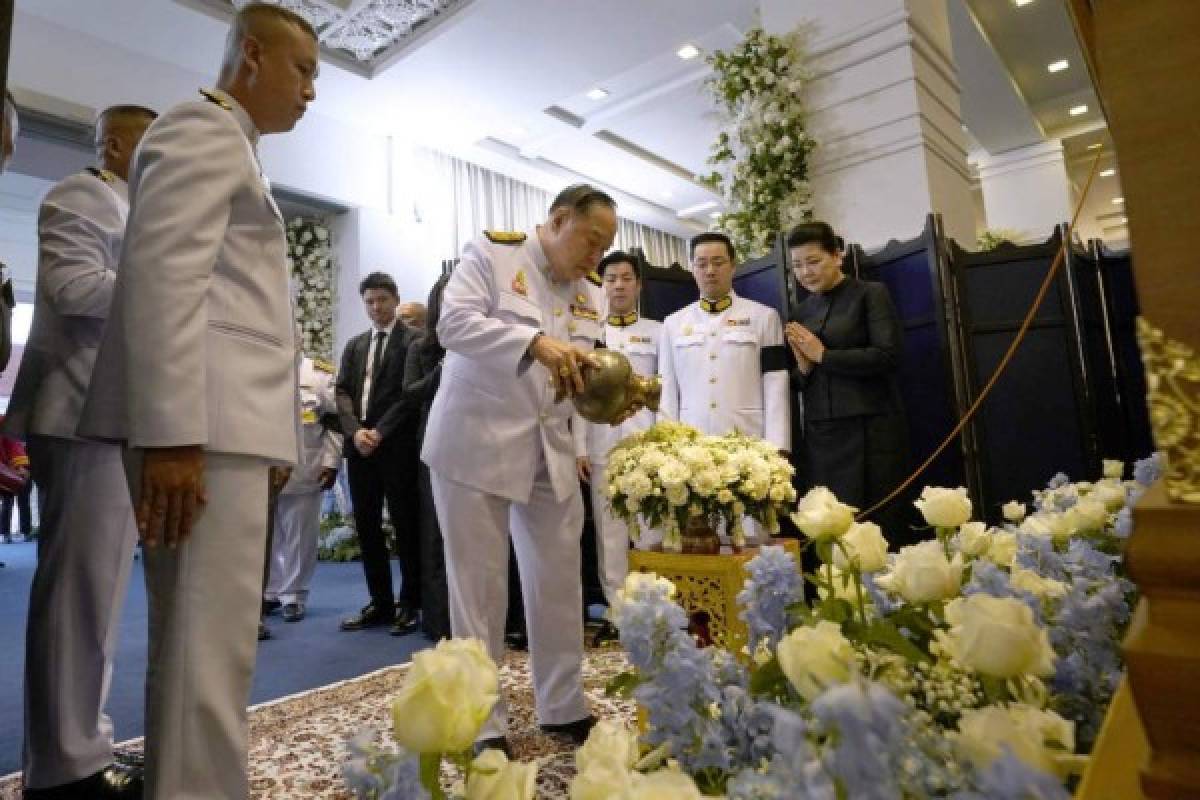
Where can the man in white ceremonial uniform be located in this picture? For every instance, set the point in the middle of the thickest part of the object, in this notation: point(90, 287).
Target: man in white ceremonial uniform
point(631, 334)
point(518, 319)
point(722, 358)
point(197, 376)
point(87, 533)
point(298, 509)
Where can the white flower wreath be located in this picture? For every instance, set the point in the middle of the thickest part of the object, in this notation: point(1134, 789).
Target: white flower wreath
point(310, 261)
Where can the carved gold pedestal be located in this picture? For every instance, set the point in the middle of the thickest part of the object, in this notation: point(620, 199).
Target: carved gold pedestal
point(1112, 772)
point(708, 587)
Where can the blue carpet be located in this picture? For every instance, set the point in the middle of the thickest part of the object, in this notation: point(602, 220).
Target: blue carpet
point(302, 655)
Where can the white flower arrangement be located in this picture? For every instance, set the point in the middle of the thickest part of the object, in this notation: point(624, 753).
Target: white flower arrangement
point(762, 154)
point(311, 264)
point(671, 473)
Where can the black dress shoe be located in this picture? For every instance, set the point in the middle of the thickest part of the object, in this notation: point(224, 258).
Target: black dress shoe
point(517, 640)
point(114, 782)
point(264, 632)
point(576, 732)
point(405, 622)
point(370, 617)
point(495, 743)
point(605, 633)
point(293, 612)
point(269, 607)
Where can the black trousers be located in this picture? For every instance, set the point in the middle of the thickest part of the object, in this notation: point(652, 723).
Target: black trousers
point(389, 474)
point(435, 602)
point(861, 459)
point(24, 512)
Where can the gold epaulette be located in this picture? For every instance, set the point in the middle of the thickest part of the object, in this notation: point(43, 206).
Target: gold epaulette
point(213, 97)
point(505, 237)
point(595, 279)
point(324, 366)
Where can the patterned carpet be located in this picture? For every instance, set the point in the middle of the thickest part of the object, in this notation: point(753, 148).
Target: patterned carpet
point(297, 744)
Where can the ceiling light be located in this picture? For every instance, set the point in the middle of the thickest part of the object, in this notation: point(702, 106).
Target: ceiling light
point(518, 131)
point(1077, 110)
point(1107, 173)
point(1124, 220)
point(1058, 66)
point(599, 94)
point(1022, 2)
point(1095, 146)
point(688, 52)
point(1116, 201)
point(666, 194)
point(715, 214)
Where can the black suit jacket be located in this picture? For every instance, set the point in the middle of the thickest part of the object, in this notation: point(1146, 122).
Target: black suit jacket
point(862, 335)
point(387, 410)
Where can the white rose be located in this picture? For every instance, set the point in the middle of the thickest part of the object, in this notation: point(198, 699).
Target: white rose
point(1039, 738)
point(665, 784)
point(446, 697)
point(922, 573)
point(820, 515)
point(601, 781)
point(843, 585)
point(725, 497)
point(673, 474)
point(1109, 492)
point(1003, 549)
point(608, 742)
point(1014, 511)
point(1114, 468)
point(865, 545)
point(1085, 516)
point(944, 508)
point(677, 495)
point(974, 539)
point(996, 636)
point(493, 777)
point(1048, 523)
point(815, 657)
point(1029, 581)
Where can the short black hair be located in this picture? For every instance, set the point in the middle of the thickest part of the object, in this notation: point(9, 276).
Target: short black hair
point(580, 197)
point(712, 236)
point(617, 256)
point(378, 280)
point(816, 232)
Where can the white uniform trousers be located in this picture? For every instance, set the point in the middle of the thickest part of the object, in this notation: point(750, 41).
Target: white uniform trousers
point(545, 536)
point(85, 552)
point(204, 598)
point(612, 539)
point(294, 547)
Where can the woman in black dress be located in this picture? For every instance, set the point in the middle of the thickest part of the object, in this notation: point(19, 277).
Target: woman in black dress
point(846, 339)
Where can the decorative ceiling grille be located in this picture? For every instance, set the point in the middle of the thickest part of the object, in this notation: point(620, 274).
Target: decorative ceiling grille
point(362, 35)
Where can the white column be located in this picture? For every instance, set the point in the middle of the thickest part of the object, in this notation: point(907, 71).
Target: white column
point(1026, 190)
point(885, 113)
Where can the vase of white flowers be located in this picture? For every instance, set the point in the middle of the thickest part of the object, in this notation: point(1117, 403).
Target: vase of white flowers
point(699, 536)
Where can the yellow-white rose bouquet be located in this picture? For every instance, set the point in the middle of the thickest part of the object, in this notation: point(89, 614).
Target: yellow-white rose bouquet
point(671, 473)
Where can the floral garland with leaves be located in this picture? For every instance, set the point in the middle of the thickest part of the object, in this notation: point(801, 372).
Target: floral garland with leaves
point(762, 155)
point(310, 261)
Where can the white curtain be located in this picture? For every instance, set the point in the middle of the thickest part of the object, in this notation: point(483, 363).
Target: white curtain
point(458, 200)
point(662, 249)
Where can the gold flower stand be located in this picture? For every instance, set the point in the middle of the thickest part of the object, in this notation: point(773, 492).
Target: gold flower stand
point(708, 587)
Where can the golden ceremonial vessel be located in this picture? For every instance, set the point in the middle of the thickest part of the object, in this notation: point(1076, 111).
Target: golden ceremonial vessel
point(611, 388)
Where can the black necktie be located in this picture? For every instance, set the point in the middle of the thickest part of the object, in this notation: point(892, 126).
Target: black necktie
point(376, 360)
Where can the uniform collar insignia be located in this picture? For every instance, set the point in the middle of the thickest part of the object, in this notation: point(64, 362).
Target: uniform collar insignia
point(218, 98)
point(584, 312)
point(519, 284)
point(716, 306)
point(103, 174)
point(622, 320)
point(594, 278)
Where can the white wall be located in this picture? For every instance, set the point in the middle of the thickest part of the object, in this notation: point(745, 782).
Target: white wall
point(1026, 190)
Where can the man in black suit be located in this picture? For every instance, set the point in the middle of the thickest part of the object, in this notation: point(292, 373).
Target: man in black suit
point(381, 456)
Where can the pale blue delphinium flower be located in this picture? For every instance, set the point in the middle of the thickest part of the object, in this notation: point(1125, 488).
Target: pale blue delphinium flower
point(865, 726)
point(1149, 469)
point(774, 584)
point(1123, 525)
point(1009, 778)
point(987, 578)
point(373, 774)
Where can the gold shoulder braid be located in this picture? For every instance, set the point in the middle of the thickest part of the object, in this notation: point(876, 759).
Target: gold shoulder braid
point(1173, 397)
point(505, 237)
point(213, 97)
point(595, 279)
point(323, 365)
